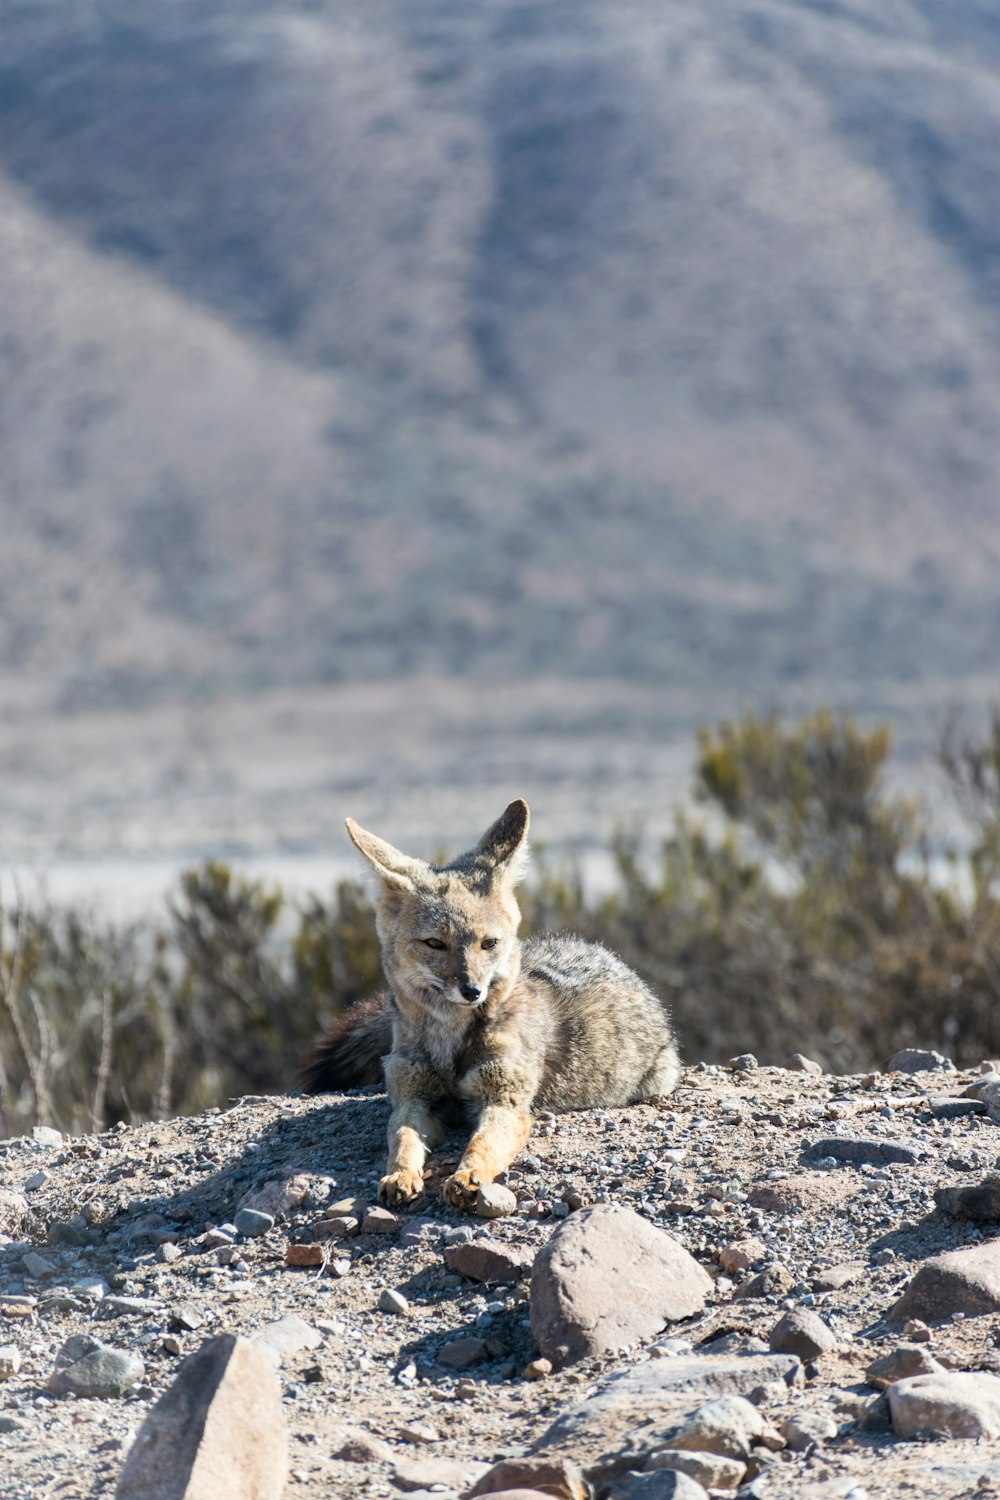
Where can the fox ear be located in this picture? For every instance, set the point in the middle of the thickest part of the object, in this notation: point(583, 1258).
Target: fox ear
point(504, 845)
point(398, 871)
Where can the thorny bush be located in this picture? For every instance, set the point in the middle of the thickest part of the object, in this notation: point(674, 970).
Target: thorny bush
point(796, 912)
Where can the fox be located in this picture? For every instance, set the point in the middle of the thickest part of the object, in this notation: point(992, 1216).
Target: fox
point(471, 1016)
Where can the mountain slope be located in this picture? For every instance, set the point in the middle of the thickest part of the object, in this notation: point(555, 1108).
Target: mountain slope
point(353, 339)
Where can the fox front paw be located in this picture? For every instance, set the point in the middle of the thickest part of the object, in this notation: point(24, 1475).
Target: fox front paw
point(461, 1188)
point(400, 1188)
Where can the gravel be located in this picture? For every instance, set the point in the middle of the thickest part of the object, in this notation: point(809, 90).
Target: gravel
point(689, 1166)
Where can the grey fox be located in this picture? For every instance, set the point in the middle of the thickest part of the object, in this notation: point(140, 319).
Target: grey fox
point(472, 1014)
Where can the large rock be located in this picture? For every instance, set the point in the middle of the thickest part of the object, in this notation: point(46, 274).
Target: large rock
point(608, 1278)
point(558, 1477)
point(489, 1261)
point(947, 1405)
point(218, 1433)
point(979, 1202)
point(919, 1060)
point(86, 1367)
point(648, 1408)
point(729, 1426)
point(899, 1364)
point(862, 1149)
point(288, 1335)
point(803, 1332)
point(965, 1281)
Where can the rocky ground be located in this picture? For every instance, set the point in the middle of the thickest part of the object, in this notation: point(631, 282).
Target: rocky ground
point(399, 1371)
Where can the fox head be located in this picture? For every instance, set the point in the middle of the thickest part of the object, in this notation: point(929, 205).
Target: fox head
point(449, 934)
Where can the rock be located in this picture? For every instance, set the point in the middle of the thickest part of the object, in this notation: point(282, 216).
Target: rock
point(835, 1277)
point(393, 1302)
point(418, 1432)
point(489, 1261)
point(14, 1211)
point(899, 1363)
point(947, 1108)
point(802, 1332)
point(799, 1064)
point(537, 1369)
point(641, 1410)
point(462, 1354)
point(10, 1361)
point(917, 1332)
point(304, 1255)
point(126, 1307)
point(518, 1494)
point(494, 1201)
point(287, 1335)
point(44, 1135)
point(745, 1063)
point(947, 1405)
point(709, 1469)
point(741, 1255)
point(808, 1428)
point(974, 1089)
point(966, 1281)
point(169, 1254)
point(217, 1433)
point(860, 1149)
point(277, 1197)
point(979, 1202)
point(915, 1060)
point(774, 1281)
point(421, 1232)
point(557, 1477)
point(792, 1195)
point(425, 1473)
point(608, 1278)
point(337, 1227)
point(380, 1221)
point(733, 1343)
point(662, 1484)
point(186, 1317)
point(37, 1266)
point(729, 1426)
point(100, 1371)
point(360, 1447)
point(253, 1222)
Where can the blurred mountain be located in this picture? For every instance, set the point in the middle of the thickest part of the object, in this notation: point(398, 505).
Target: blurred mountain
point(363, 337)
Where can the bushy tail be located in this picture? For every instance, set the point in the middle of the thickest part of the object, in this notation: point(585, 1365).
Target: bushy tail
point(350, 1053)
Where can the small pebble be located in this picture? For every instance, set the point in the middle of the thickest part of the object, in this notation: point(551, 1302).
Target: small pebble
point(393, 1302)
point(252, 1222)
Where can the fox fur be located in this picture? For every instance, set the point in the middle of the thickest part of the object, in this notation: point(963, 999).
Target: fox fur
point(473, 1015)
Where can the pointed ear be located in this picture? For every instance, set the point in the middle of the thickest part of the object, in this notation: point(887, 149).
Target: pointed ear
point(503, 847)
point(398, 871)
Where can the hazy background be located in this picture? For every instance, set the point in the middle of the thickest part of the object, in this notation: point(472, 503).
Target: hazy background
point(407, 404)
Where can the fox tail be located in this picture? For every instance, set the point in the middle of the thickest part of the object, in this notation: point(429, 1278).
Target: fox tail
point(349, 1054)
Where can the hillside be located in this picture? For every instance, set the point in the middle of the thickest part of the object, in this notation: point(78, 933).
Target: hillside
point(397, 1368)
point(356, 339)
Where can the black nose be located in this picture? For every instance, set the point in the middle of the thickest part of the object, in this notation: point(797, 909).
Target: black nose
point(470, 992)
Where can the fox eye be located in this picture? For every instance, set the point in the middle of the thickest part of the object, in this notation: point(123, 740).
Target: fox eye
point(435, 943)
point(488, 943)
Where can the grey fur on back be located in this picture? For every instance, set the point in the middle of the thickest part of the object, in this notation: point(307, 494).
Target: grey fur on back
point(610, 1041)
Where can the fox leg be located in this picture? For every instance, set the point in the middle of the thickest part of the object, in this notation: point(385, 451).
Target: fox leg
point(413, 1130)
point(502, 1132)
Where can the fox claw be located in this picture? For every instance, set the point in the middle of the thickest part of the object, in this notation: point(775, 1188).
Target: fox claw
point(400, 1188)
point(461, 1188)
